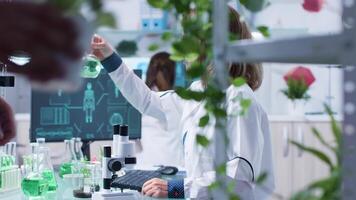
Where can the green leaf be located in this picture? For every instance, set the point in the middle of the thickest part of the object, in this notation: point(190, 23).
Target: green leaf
point(202, 140)
point(297, 89)
point(69, 6)
point(255, 5)
point(191, 57)
point(181, 6)
point(196, 71)
point(105, 19)
point(261, 178)
point(189, 94)
point(204, 121)
point(157, 3)
point(127, 48)
point(334, 126)
point(207, 26)
point(245, 103)
point(238, 82)
point(317, 134)
point(214, 185)
point(95, 5)
point(176, 57)
point(219, 113)
point(305, 195)
point(234, 197)
point(215, 95)
point(153, 47)
point(221, 169)
point(243, 2)
point(187, 45)
point(322, 156)
point(166, 36)
point(264, 31)
point(231, 186)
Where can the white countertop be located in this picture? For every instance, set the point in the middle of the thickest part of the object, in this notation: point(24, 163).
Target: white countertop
point(272, 118)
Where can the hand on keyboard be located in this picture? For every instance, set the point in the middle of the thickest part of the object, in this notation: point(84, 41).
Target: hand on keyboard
point(134, 179)
point(155, 187)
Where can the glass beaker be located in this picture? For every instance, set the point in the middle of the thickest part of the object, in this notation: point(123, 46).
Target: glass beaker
point(46, 168)
point(41, 142)
point(33, 185)
point(91, 68)
point(69, 157)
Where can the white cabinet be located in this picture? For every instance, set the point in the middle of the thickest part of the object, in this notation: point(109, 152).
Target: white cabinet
point(280, 134)
point(295, 169)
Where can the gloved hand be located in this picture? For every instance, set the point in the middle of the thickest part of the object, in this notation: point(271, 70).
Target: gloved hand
point(50, 38)
point(101, 48)
point(7, 123)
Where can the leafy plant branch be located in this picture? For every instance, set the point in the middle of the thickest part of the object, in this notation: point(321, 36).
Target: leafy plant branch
point(328, 187)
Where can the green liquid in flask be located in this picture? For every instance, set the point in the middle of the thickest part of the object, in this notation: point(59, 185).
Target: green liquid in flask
point(48, 175)
point(92, 67)
point(34, 186)
point(66, 168)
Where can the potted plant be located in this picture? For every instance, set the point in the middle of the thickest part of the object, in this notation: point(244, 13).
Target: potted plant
point(298, 80)
point(127, 48)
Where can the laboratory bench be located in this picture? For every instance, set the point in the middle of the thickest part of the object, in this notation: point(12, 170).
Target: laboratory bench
point(295, 168)
point(65, 191)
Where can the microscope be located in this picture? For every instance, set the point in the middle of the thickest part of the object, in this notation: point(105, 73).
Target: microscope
point(119, 157)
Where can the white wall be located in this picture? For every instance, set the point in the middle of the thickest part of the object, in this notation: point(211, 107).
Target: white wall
point(289, 19)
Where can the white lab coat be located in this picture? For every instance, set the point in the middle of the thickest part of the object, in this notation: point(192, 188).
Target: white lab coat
point(160, 146)
point(249, 135)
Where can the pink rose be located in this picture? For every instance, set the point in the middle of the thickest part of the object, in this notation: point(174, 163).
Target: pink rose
point(313, 5)
point(300, 73)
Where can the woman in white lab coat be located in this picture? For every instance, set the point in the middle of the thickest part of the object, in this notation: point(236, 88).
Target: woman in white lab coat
point(160, 77)
point(249, 135)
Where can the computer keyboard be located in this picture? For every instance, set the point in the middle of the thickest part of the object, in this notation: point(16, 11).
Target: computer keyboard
point(134, 179)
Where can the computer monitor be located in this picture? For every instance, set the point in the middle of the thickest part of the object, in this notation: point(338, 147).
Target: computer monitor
point(88, 113)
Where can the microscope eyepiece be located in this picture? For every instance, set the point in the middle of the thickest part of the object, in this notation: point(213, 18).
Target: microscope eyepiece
point(116, 129)
point(124, 130)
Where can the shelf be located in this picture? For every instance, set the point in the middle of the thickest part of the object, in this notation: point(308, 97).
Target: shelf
point(133, 34)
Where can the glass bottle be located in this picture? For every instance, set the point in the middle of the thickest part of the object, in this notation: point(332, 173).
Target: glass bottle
point(91, 68)
point(46, 168)
point(69, 158)
point(34, 185)
point(78, 149)
point(41, 142)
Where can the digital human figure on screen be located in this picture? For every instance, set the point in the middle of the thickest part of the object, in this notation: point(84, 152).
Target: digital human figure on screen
point(89, 103)
point(117, 92)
